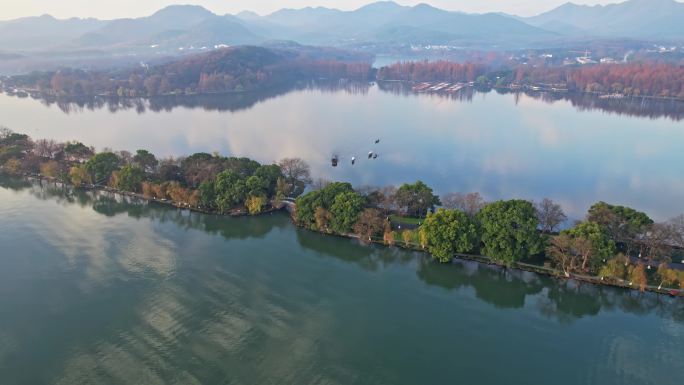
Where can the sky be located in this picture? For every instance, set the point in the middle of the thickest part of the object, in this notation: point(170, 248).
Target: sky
point(111, 9)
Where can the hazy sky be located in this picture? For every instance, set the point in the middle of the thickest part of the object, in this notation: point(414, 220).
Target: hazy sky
point(109, 9)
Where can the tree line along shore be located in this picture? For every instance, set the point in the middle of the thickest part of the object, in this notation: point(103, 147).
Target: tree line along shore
point(249, 68)
point(613, 245)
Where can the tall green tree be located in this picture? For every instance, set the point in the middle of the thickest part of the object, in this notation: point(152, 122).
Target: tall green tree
point(207, 191)
point(345, 211)
point(14, 145)
point(448, 232)
point(129, 178)
point(598, 246)
point(416, 199)
point(102, 165)
point(324, 198)
point(231, 190)
point(257, 186)
point(77, 151)
point(146, 160)
point(509, 230)
point(270, 173)
point(623, 224)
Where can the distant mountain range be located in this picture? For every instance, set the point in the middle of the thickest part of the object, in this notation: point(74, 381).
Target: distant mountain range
point(639, 19)
point(388, 22)
point(187, 27)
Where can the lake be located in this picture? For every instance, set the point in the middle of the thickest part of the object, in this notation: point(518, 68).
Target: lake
point(98, 289)
point(575, 150)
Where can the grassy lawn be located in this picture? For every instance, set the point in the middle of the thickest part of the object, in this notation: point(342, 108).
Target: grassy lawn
point(407, 220)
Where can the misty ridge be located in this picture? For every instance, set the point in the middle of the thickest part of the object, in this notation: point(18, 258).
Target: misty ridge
point(381, 24)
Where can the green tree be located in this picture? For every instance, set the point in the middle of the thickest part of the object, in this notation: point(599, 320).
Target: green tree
point(256, 186)
point(102, 165)
point(14, 145)
point(129, 178)
point(324, 198)
point(598, 248)
point(448, 232)
point(271, 174)
point(79, 175)
point(509, 230)
point(242, 166)
point(416, 199)
point(207, 195)
point(230, 189)
point(146, 160)
point(77, 151)
point(615, 268)
point(345, 211)
point(623, 224)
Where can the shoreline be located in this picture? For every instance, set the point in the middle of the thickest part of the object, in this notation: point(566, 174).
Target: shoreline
point(535, 88)
point(520, 266)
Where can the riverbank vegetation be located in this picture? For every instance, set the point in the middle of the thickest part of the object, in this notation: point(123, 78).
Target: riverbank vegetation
point(234, 69)
point(613, 244)
point(250, 68)
point(206, 182)
point(633, 79)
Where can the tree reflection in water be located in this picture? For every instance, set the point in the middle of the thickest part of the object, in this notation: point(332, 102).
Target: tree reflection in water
point(565, 301)
point(636, 107)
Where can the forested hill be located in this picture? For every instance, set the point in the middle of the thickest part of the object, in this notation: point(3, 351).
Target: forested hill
point(234, 69)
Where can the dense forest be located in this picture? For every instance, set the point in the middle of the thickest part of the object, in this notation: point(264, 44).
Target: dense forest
point(651, 79)
point(437, 71)
point(638, 79)
point(232, 69)
point(613, 244)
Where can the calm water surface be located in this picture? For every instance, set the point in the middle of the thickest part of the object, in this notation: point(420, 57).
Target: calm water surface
point(98, 290)
point(504, 146)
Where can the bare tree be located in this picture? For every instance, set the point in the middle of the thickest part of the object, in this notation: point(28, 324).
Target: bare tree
point(369, 224)
point(677, 227)
point(388, 201)
point(297, 174)
point(561, 252)
point(470, 203)
point(322, 218)
point(320, 183)
point(550, 215)
point(125, 156)
point(658, 241)
point(585, 249)
point(45, 148)
point(4, 132)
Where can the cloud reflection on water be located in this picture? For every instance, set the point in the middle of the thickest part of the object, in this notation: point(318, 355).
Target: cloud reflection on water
point(256, 300)
point(502, 145)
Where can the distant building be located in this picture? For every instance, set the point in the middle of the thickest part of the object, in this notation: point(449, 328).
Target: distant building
point(608, 60)
point(663, 49)
point(585, 60)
